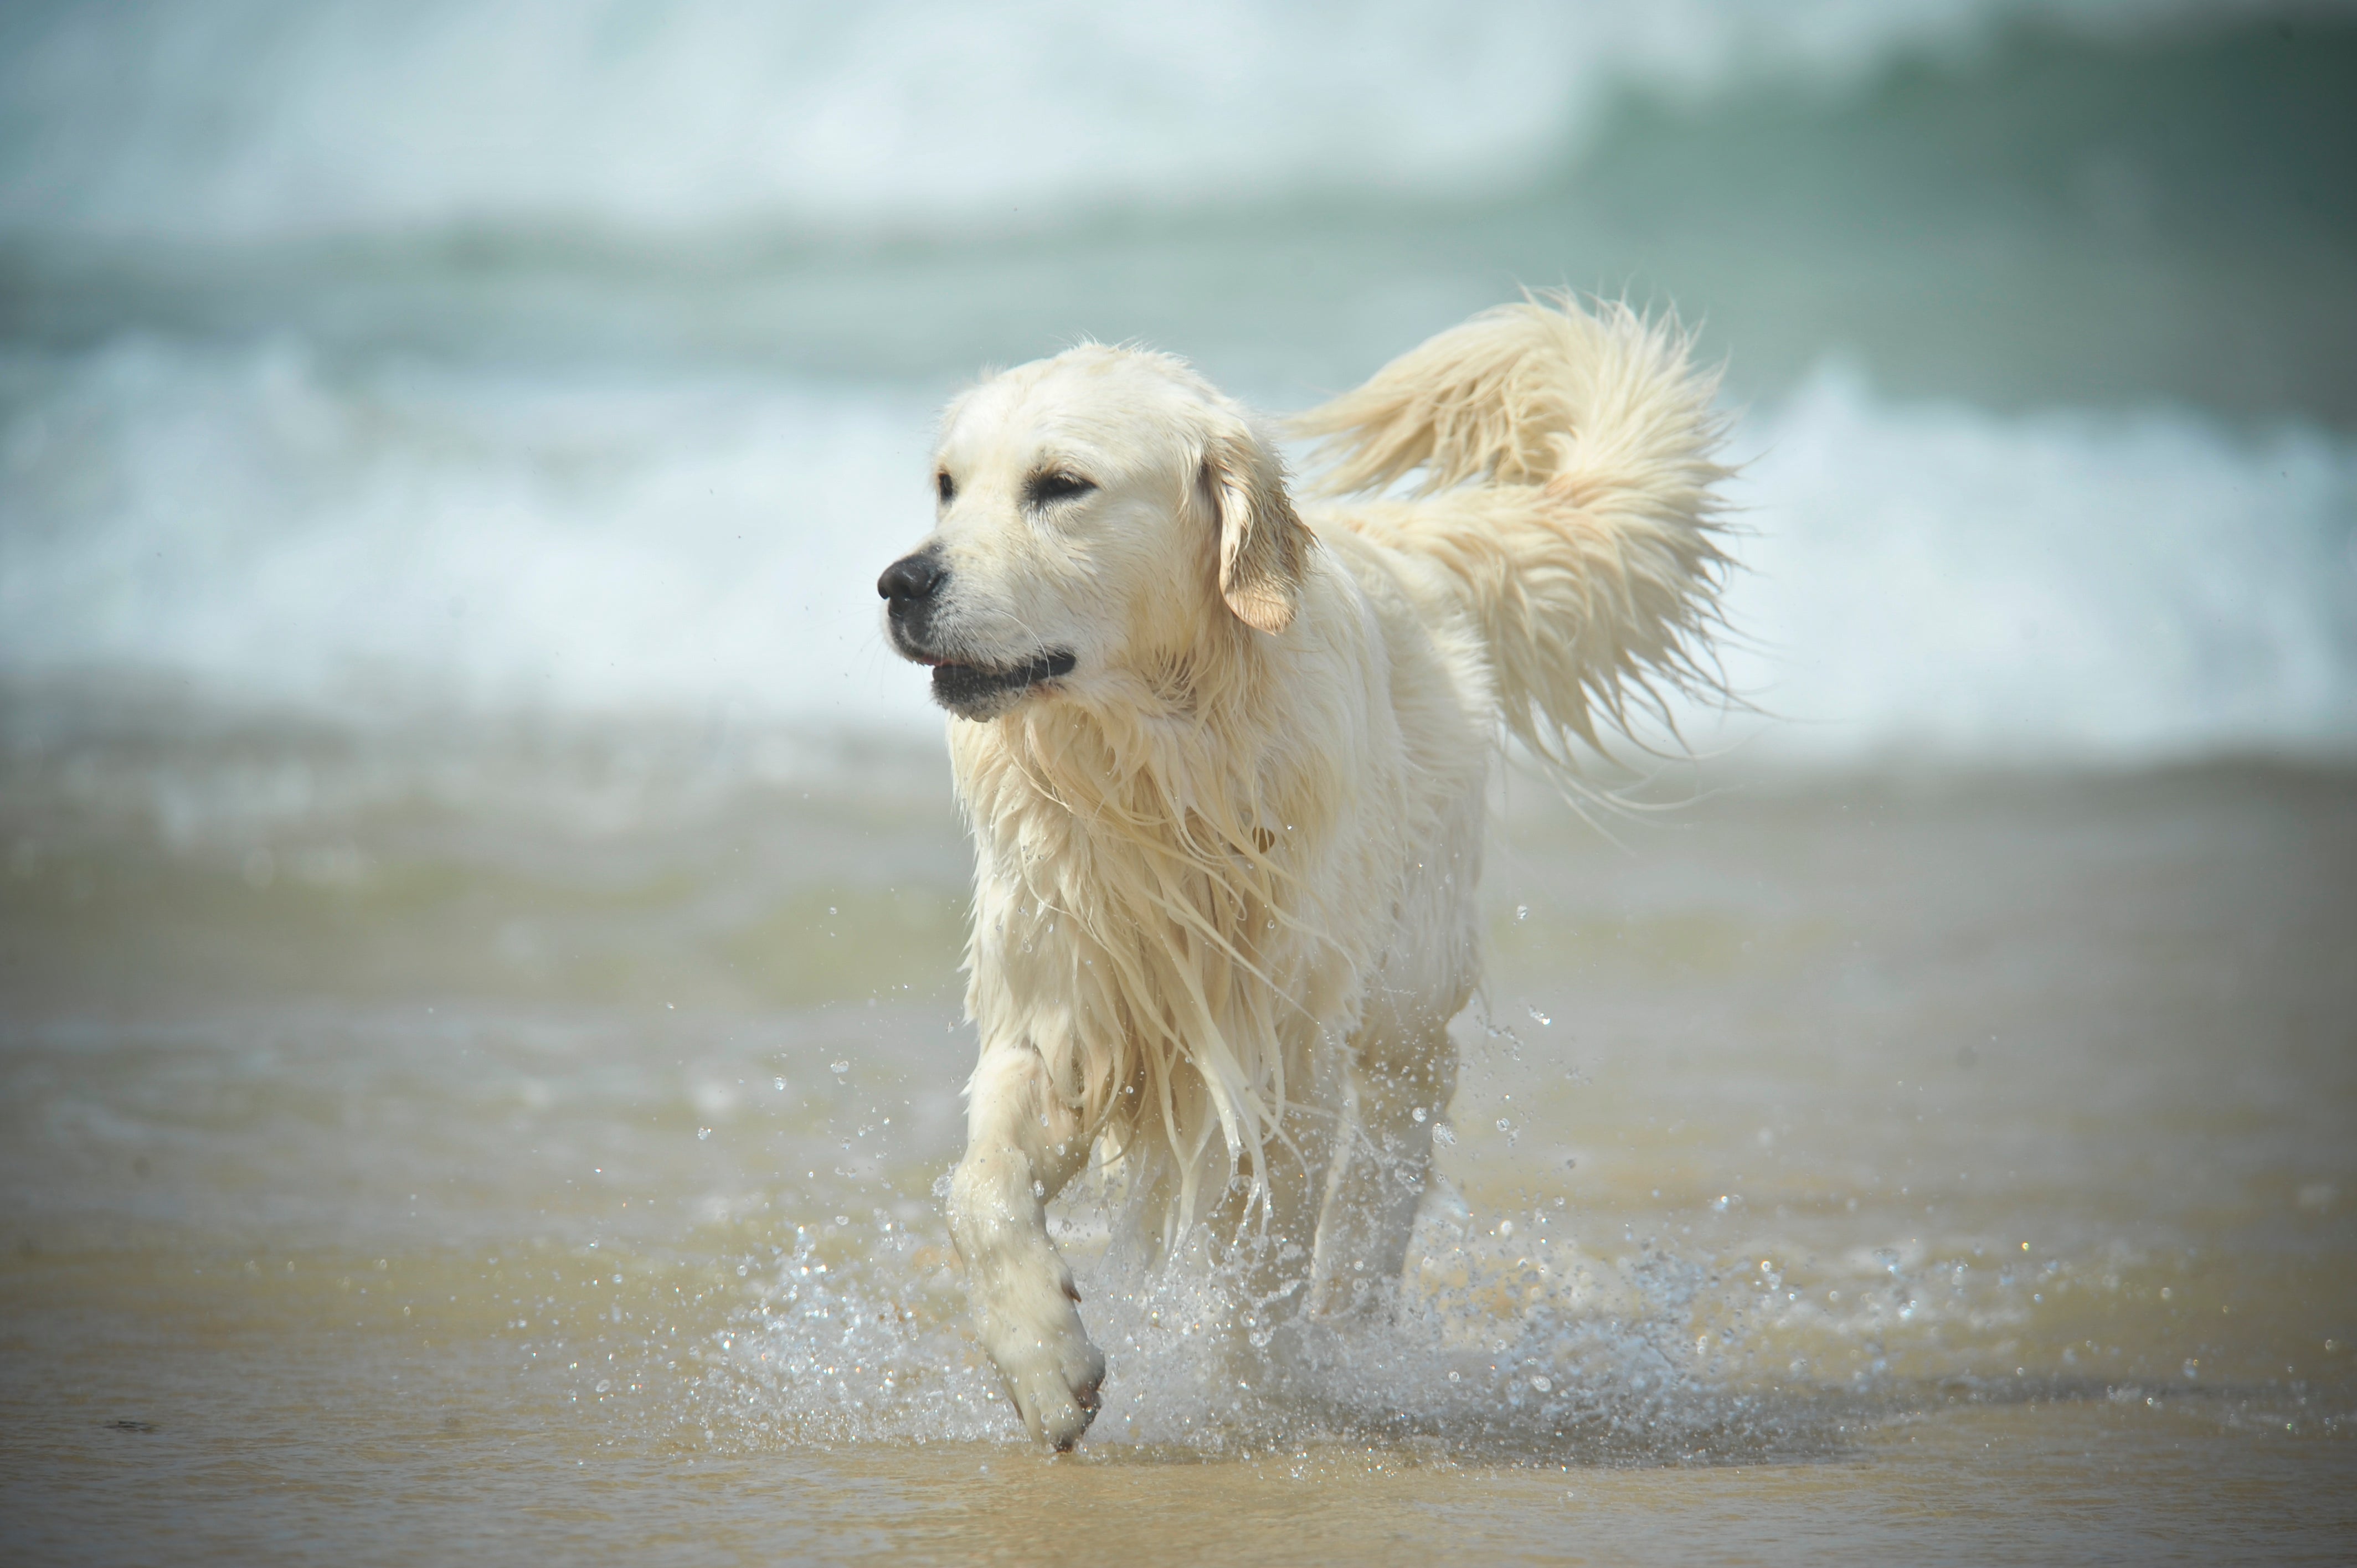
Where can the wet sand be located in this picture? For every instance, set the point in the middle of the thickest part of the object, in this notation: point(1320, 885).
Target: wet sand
point(525, 1151)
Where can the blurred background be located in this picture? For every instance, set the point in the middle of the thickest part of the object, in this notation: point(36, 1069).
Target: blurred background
point(452, 785)
point(573, 361)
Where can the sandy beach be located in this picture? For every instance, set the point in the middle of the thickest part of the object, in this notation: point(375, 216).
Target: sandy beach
point(1947, 1168)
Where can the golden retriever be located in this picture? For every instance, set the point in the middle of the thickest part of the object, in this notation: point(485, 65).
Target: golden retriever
point(1226, 764)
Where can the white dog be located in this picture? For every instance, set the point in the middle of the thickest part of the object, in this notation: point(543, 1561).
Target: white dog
point(1226, 767)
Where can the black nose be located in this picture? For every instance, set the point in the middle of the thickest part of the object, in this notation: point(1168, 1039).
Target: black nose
point(910, 577)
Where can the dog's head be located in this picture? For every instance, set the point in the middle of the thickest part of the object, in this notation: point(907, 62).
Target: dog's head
point(1098, 511)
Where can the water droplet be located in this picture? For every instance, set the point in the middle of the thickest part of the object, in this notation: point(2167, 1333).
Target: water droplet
point(702, 1133)
point(1543, 1385)
point(1522, 911)
point(604, 1384)
point(779, 1084)
point(1442, 1133)
point(838, 1066)
point(1542, 1019)
point(1418, 1113)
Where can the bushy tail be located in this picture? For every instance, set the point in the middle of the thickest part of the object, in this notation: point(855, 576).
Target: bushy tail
point(1564, 470)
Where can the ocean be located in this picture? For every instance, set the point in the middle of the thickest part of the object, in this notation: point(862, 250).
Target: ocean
point(479, 1019)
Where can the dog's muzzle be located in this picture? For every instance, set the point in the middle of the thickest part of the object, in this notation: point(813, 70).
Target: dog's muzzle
point(910, 588)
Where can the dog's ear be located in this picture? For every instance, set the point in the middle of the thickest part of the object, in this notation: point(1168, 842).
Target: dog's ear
point(1263, 547)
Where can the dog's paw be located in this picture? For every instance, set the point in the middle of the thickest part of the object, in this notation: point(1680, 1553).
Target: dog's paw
point(1054, 1374)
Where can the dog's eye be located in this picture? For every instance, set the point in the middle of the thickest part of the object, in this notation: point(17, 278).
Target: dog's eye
point(1047, 488)
point(948, 488)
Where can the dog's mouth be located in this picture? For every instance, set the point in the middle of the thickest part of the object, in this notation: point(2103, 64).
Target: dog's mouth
point(975, 690)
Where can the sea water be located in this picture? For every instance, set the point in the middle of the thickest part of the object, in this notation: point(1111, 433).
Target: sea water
point(479, 1019)
point(534, 1146)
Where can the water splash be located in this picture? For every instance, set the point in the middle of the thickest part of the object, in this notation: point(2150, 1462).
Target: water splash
point(1507, 1344)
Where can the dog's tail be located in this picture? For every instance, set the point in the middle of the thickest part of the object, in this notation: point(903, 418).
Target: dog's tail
point(1564, 475)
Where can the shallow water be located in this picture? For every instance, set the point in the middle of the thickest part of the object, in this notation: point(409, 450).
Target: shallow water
point(518, 1147)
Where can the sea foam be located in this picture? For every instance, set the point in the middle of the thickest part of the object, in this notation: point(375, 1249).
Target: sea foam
point(1916, 579)
point(1934, 580)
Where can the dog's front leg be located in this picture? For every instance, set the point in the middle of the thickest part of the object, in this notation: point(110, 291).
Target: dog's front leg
point(1023, 1143)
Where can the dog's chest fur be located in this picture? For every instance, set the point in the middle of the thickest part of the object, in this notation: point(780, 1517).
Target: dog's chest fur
point(1183, 915)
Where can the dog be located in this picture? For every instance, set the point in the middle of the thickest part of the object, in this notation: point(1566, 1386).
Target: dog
point(1225, 762)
